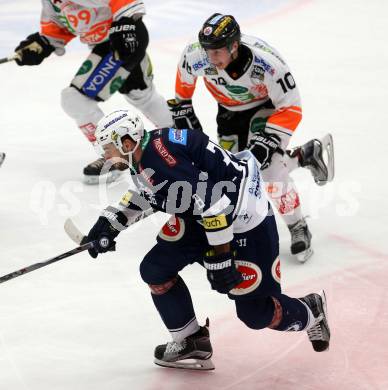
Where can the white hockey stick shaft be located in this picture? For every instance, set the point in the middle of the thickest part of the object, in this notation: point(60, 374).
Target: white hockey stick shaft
point(78, 237)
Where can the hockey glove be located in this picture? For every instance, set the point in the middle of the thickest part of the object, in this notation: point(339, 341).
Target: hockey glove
point(105, 230)
point(128, 37)
point(222, 272)
point(33, 50)
point(183, 114)
point(263, 145)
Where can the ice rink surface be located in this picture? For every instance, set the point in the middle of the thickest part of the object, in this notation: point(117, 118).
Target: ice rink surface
point(85, 324)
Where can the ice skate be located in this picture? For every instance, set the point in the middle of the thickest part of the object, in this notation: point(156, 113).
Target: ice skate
point(97, 170)
point(319, 333)
point(311, 156)
point(2, 157)
point(301, 240)
point(193, 353)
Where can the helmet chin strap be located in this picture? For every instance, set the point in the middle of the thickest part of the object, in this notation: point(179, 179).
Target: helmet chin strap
point(129, 154)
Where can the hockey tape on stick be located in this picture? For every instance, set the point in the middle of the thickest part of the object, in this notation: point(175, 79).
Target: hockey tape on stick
point(9, 59)
point(79, 238)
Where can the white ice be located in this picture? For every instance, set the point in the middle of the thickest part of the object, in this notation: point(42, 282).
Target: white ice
point(90, 324)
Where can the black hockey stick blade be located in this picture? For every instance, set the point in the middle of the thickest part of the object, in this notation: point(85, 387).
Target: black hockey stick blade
point(35, 266)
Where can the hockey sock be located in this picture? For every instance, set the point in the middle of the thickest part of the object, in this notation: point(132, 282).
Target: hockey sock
point(177, 311)
point(294, 314)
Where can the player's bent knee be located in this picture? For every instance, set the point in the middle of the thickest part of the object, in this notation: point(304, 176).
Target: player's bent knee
point(74, 103)
point(256, 313)
point(160, 289)
point(153, 273)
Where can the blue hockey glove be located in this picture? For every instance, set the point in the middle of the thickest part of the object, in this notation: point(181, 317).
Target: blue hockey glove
point(222, 272)
point(105, 230)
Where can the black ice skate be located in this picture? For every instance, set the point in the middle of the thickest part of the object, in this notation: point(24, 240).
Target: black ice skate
point(2, 157)
point(193, 353)
point(301, 240)
point(103, 170)
point(311, 156)
point(319, 333)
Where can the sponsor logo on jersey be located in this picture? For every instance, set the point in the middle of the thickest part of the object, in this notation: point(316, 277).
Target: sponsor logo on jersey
point(210, 71)
point(126, 198)
point(265, 65)
point(173, 229)
point(218, 222)
point(226, 144)
point(254, 186)
point(101, 76)
point(236, 89)
point(239, 92)
point(245, 218)
point(252, 276)
point(200, 64)
point(275, 270)
point(269, 50)
point(163, 152)
point(178, 136)
point(260, 90)
point(272, 188)
point(288, 202)
point(257, 72)
point(193, 47)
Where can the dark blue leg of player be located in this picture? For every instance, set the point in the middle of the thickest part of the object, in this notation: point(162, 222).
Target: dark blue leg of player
point(159, 270)
point(279, 313)
point(265, 306)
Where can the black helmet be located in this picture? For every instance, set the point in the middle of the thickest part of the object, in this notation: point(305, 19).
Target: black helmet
point(219, 31)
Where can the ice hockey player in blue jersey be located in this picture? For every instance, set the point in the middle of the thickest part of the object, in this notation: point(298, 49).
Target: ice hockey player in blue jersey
point(221, 219)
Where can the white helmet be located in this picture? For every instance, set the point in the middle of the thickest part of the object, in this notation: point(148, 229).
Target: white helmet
point(116, 125)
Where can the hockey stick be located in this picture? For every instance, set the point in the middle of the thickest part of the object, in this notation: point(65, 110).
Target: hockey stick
point(2, 157)
point(79, 238)
point(35, 266)
point(9, 59)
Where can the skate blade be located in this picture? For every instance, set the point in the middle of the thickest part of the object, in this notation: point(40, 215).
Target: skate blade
point(302, 257)
point(188, 364)
point(328, 147)
point(96, 179)
point(324, 305)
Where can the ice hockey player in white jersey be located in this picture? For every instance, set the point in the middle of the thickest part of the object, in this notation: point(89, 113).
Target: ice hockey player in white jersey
point(118, 61)
point(259, 108)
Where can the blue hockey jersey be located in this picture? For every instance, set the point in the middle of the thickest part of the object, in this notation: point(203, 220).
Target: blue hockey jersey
point(184, 173)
